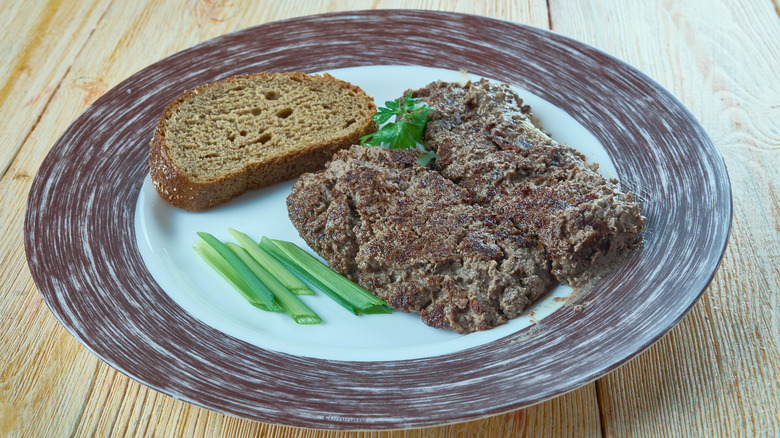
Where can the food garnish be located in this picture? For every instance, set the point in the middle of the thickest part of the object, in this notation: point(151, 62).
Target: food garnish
point(287, 278)
point(341, 289)
point(263, 274)
point(406, 132)
point(218, 255)
point(291, 304)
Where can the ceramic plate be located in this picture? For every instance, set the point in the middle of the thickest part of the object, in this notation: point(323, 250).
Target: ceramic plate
point(114, 264)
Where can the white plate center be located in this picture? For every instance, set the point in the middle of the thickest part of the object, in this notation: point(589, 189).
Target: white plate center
point(166, 234)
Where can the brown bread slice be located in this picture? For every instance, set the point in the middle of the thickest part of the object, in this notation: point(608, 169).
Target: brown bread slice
point(219, 140)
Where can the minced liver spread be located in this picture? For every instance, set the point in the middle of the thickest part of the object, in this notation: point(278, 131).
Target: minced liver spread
point(504, 213)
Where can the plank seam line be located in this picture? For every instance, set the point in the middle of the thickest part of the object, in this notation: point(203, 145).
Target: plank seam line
point(549, 15)
point(34, 125)
point(602, 415)
point(83, 408)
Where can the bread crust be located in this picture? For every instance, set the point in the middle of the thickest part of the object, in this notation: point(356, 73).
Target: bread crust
point(181, 190)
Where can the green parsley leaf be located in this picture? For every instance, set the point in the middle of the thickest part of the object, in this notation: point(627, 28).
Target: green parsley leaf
point(406, 131)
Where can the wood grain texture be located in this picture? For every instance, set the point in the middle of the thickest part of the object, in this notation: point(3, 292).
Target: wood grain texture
point(717, 370)
point(723, 358)
point(40, 34)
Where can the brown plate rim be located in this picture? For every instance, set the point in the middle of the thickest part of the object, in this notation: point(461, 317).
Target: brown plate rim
point(80, 235)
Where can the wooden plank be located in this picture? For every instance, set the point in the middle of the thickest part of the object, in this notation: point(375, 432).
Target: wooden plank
point(40, 41)
point(714, 374)
point(51, 385)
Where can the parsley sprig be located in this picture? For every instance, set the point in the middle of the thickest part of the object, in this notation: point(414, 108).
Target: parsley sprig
point(406, 131)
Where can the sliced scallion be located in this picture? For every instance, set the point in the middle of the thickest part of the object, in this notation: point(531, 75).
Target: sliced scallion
point(267, 261)
point(341, 289)
point(291, 304)
point(212, 257)
point(259, 292)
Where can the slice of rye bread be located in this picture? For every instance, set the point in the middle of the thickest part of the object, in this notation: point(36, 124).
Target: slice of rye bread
point(219, 140)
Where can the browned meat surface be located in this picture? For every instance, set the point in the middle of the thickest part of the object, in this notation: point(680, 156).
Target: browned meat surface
point(488, 144)
point(415, 240)
point(505, 212)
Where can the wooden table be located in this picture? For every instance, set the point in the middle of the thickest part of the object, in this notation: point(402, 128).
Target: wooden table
point(716, 373)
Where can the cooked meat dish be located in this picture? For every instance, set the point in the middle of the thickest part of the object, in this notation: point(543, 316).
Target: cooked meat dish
point(488, 144)
point(414, 239)
point(470, 242)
